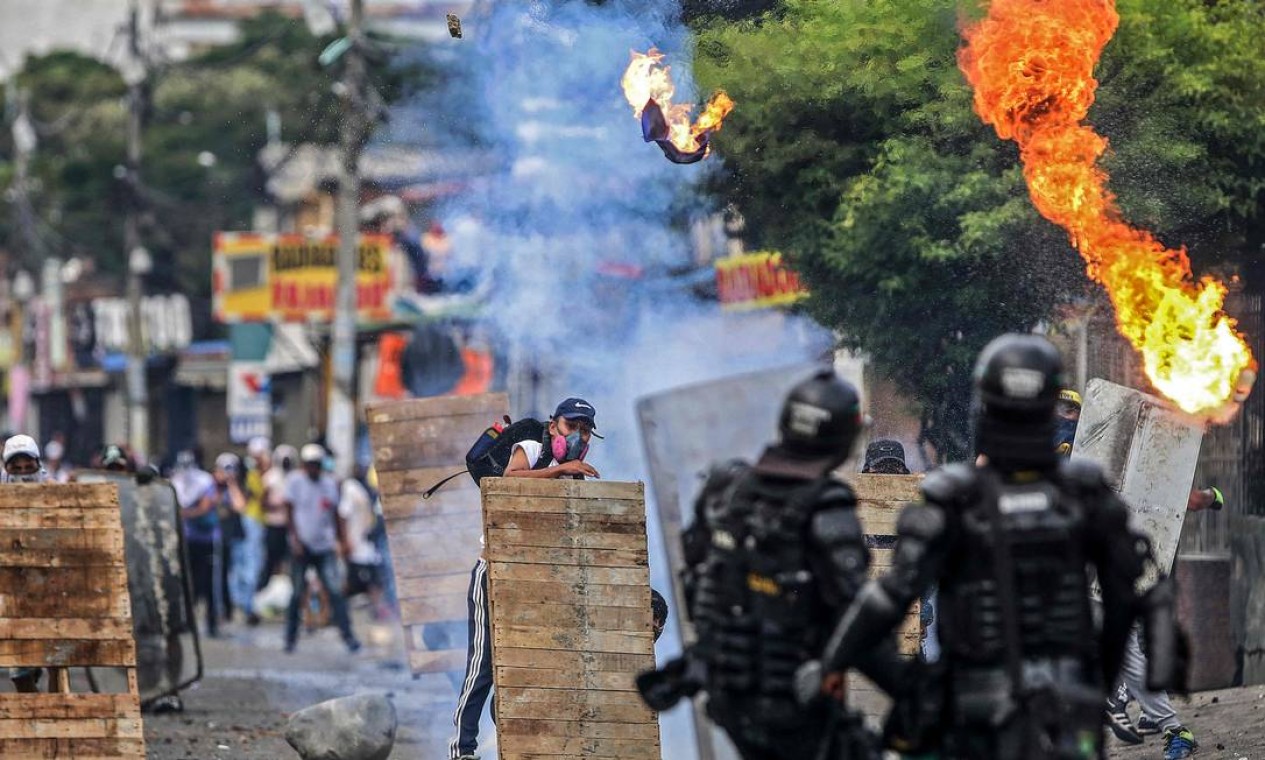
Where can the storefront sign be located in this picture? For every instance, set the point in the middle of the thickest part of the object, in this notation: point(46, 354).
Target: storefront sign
point(756, 281)
point(293, 278)
point(166, 323)
point(249, 401)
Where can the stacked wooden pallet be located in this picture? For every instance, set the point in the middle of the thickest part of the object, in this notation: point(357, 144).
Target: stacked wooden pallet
point(571, 621)
point(434, 542)
point(64, 603)
point(880, 499)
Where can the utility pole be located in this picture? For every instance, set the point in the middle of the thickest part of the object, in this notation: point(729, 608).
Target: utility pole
point(353, 133)
point(138, 262)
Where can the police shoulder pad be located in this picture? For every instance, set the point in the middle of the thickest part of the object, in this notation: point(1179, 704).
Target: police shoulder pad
point(1083, 474)
point(951, 484)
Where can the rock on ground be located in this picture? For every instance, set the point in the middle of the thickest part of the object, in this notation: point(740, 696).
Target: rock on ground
point(351, 728)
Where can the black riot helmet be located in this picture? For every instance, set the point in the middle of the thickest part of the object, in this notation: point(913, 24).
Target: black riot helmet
point(820, 422)
point(1017, 384)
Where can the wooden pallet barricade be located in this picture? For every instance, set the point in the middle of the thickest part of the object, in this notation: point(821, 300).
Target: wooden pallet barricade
point(64, 603)
point(880, 498)
point(569, 583)
point(434, 542)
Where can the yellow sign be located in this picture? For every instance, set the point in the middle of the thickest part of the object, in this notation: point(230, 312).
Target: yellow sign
point(756, 281)
point(292, 278)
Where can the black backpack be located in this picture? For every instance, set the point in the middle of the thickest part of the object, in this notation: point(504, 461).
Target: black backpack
point(491, 452)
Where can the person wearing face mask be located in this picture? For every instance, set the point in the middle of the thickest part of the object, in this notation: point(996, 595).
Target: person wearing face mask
point(22, 464)
point(559, 454)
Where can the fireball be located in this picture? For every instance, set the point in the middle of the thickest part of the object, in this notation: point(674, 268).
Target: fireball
point(649, 89)
point(1031, 64)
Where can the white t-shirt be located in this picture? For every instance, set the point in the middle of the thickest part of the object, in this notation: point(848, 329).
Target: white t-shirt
point(356, 509)
point(274, 481)
point(314, 504)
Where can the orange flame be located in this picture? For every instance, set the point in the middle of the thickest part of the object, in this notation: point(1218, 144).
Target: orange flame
point(645, 80)
point(1031, 63)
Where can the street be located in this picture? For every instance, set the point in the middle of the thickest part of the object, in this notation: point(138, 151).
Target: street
point(240, 708)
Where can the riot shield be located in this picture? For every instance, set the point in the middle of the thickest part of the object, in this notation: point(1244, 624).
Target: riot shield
point(168, 653)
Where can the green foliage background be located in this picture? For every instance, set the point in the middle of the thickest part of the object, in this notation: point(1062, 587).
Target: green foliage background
point(854, 149)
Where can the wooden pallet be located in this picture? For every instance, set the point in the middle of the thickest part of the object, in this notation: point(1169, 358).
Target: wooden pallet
point(434, 542)
point(880, 499)
point(569, 584)
point(64, 603)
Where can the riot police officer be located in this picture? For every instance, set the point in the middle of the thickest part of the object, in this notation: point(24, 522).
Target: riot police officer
point(1011, 542)
point(774, 556)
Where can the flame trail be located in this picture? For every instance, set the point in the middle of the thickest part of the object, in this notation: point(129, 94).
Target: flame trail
point(1031, 64)
point(646, 80)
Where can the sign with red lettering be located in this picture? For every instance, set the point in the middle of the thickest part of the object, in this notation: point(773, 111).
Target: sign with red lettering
point(756, 281)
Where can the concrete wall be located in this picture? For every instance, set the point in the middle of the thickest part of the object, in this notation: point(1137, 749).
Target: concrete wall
point(1247, 595)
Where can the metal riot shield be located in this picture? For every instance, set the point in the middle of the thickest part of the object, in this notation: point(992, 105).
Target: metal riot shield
point(168, 654)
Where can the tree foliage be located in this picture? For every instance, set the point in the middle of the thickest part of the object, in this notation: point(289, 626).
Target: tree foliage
point(203, 132)
point(854, 149)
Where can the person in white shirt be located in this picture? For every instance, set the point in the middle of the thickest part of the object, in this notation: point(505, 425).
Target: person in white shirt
point(364, 563)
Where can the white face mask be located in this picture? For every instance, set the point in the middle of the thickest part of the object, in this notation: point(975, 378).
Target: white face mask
point(34, 477)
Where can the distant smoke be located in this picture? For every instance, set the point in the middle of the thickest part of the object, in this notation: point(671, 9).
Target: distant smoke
point(583, 225)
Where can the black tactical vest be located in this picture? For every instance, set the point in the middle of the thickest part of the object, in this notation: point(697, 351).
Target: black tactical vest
point(1016, 595)
point(757, 606)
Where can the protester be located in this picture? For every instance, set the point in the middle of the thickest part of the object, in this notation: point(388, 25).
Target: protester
point(364, 564)
point(316, 532)
point(55, 464)
point(276, 518)
point(885, 456)
point(568, 434)
point(241, 535)
point(115, 459)
point(22, 465)
point(197, 494)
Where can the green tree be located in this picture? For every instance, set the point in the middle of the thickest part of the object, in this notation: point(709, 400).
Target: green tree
point(203, 133)
point(854, 149)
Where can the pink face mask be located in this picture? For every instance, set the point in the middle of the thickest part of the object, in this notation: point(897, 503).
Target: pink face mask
point(569, 448)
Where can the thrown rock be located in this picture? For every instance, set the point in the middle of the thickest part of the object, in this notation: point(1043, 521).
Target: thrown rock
point(351, 728)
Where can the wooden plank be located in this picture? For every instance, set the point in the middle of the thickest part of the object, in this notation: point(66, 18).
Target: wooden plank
point(556, 745)
point(436, 585)
point(592, 576)
point(495, 404)
point(554, 555)
point(564, 521)
point(76, 518)
point(428, 453)
point(68, 705)
point(50, 495)
point(573, 660)
point(83, 728)
point(407, 567)
point(560, 726)
point(417, 481)
point(509, 678)
point(627, 507)
point(549, 637)
point(574, 540)
point(493, 488)
point(66, 628)
point(61, 547)
point(72, 749)
point(441, 661)
point(434, 609)
point(67, 653)
point(458, 545)
point(467, 520)
point(874, 487)
point(408, 507)
point(513, 593)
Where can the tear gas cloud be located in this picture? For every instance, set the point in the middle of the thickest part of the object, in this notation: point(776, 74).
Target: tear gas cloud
point(581, 224)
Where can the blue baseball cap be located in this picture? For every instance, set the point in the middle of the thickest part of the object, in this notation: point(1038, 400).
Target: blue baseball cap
point(577, 409)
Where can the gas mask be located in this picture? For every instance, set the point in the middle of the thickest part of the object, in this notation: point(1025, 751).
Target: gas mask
point(570, 447)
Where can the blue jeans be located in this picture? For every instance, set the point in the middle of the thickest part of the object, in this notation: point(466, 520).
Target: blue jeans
point(246, 556)
point(326, 566)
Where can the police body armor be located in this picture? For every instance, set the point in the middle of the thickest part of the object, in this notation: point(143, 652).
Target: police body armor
point(757, 606)
point(1016, 623)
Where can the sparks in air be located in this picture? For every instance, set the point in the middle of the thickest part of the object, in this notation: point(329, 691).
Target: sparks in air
point(1031, 64)
point(649, 89)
